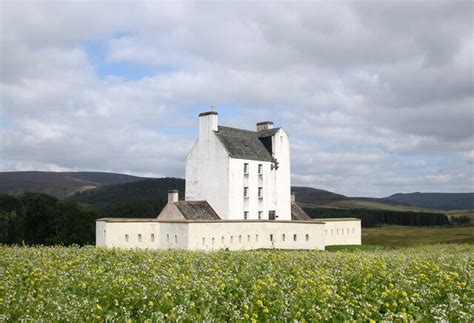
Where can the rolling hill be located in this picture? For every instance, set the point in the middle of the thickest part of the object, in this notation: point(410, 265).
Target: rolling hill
point(440, 201)
point(100, 188)
point(58, 184)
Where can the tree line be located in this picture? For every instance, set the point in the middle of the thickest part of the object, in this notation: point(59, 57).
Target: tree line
point(373, 217)
point(37, 218)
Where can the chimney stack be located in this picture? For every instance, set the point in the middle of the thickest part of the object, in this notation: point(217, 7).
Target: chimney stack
point(207, 123)
point(173, 196)
point(264, 125)
point(293, 197)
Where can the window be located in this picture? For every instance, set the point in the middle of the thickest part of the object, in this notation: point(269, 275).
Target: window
point(283, 237)
point(326, 232)
point(246, 168)
point(332, 232)
point(347, 230)
point(203, 241)
point(246, 215)
point(307, 237)
point(260, 215)
point(240, 239)
point(139, 238)
point(271, 215)
point(152, 237)
point(260, 169)
point(271, 237)
point(353, 230)
point(342, 231)
point(175, 238)
point(231, 239)
point(168, 238)
point(260, 192)
point(337, 232)
point(213, 241)
point(222, 240)
point(248, 238)
point(126, 238)
point(104, 234)
point(294, 237)
point(246, 191)
point(256, 237)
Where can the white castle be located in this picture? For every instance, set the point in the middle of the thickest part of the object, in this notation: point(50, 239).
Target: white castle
point(237, 197)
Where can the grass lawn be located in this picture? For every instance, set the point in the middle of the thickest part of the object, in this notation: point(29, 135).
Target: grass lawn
point(398, 236)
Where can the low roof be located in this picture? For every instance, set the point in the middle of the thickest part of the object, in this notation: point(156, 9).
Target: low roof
point(197, 210)
point(243, 144)
point(297, 213)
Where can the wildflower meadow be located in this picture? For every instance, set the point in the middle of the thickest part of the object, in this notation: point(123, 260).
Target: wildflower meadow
point(77, 284)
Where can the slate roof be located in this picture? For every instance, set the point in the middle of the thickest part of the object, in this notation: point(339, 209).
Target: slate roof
point(297, 213)
point(243, 144)
point(267, 132)
point(197, 210)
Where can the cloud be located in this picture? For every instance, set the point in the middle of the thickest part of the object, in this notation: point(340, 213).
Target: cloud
point(376, 98)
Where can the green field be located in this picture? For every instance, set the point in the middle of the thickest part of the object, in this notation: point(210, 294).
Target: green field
point(398, 236)
point(84, 284)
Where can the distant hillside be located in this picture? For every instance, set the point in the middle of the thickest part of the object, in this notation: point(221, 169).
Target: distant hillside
point(440, 201)
point(58, 184)
point(316, 196)
point(144, 198)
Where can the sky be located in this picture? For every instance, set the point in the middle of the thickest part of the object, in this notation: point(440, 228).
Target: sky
point(377, 97)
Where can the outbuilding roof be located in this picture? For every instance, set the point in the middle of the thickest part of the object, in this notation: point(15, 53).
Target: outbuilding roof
point(197, 210)
point(297, 213)
point(244, 144)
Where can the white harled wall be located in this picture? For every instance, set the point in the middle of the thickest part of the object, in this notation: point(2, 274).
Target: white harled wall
point(207, 170)
point(342, 232)
point(214, 235)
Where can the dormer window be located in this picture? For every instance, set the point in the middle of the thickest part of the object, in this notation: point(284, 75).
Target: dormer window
point(246, 168)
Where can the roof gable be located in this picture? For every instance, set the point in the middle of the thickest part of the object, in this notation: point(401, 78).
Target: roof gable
point(197, 210)
point(243, 144)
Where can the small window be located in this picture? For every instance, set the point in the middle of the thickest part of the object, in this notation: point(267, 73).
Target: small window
point(353, 230)
point(248, 238)
point(348, 231)
point(332, 232)
point(203, 241)
point(139, 238)
point(260, 192)
point(271, 237)
point(283, 237)
point(222, 240)
point(246, 191)
point(260, 215)
point(104, 234)
point(168, 238)
point(126, 238)
point(342, 231)
point(307, 237)
point(326, 232)
point(246, 168)
point(152, 237)
point(246, 215)
point(260, 169)
point(175, 239)
point(256, 237)
point(231, 239)
point(294, 237)
point(212, 241)
point(240, 239)
point(337, 232)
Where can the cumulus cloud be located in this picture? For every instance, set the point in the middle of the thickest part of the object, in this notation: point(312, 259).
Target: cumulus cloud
point(377, 98)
